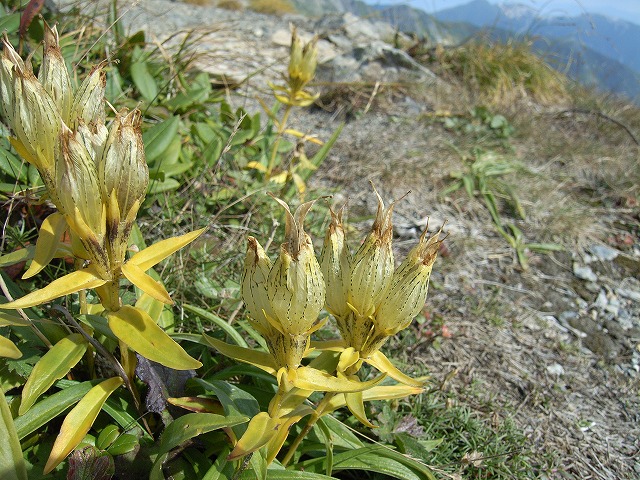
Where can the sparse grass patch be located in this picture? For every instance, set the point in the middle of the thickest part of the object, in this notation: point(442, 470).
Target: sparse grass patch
point(234, 5)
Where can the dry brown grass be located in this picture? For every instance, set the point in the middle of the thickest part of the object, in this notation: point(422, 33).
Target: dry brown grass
point(235, 5)
point(200, 3)
point(272, 7)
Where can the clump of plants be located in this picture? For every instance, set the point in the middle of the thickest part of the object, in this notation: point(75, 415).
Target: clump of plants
point(72, 343)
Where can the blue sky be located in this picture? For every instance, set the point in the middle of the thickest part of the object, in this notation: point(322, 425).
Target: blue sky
point(624, 9)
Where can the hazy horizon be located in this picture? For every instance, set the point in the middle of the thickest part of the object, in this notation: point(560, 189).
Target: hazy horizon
point(628, 10)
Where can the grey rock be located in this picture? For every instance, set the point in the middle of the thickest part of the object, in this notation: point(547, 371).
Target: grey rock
point(555, 369)
point(604, 253)
point(629, 288)
point(584, 273)
point(601, 301)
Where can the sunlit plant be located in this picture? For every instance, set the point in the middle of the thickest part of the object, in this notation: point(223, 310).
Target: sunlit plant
point(96, 175)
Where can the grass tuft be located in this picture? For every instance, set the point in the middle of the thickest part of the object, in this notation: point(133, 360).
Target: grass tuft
point(272, 7)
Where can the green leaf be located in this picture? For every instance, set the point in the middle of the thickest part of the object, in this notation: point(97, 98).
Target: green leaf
point(79, 420)
point(125, 443)
point(46, 410)
point(144, 81)
point(12, 166)
point(11, 459)
point(262, 360)
point(167, 185)
point(218, 322)
point(186, 427)
point(373, 458)
point(54, 365)
point(135, 328)
point(158, 138)
point(274, 474)
point(221, 469)
point(8, 349)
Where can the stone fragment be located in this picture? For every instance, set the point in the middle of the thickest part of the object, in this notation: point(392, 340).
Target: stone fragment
point(584, 273)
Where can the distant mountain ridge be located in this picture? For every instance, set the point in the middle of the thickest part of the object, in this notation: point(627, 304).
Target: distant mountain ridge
point(592, 49)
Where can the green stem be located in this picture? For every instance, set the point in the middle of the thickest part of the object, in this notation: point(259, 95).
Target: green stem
point(276, 143)
point(317, 414)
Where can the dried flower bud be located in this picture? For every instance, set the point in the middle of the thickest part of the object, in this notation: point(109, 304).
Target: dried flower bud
point(335, 266)
point(408, 290)
point(54, 75)
point(295, 286)
point(372, 265)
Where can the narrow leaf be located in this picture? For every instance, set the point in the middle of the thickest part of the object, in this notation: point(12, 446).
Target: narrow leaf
point(158, 138)
point(54, 365)
point(47, 244)
point(18, 256)
point(79, 420)
point(157, 252)
point(144, 81)
point(11, 459)
point(144, 282)
point(7, 318)
point(70, 283)
point(135, 328)
point(46, 410)
point(259, 359)
point(218, 322)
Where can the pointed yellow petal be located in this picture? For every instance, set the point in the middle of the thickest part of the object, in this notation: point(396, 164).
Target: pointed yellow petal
point(145, 283)
point(79, 420)
point(308, 378)
point(348, 358)
point(70, 283)
point(257, 166)
point(337, 345)
point(355, 403)
point(384, 365)
point(157, 252)
point(8, 349)
point(256, 358)
point(260, 430)
point(47, 244)
point(136, 328)
point(379, 392)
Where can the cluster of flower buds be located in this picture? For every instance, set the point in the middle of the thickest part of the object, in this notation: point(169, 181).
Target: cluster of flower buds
point(303, 61)
point(285, 298)
point(369, 299)
point(95, 174)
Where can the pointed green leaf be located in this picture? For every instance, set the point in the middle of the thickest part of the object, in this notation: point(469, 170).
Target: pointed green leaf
point(135, 328)
point(257, 358)
point(194, 424)
point(49, 408)
point(218, 322)
point(18, 256)
point(54, 365)
point(157, 252)
point(12, 466)
point(47, 244)
point(7, 318)
point(144, 81)
point(383, 364)
point(70, 283)
point(144, 282)
point(158, 138)
point(79, 420)
point(8, 349)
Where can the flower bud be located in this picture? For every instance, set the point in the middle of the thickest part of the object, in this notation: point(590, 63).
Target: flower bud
point(54, 75)
point(335, 267)
point(372, 265)
point(123, 169)
point(80, 198)
point(254, 284)
point(302, 62)
point(408, 290)
point(88, 102)
point(295, 285)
